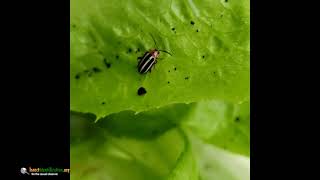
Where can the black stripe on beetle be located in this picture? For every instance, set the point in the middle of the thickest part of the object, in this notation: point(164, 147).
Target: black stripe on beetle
point(148, 61)
point(144, 58)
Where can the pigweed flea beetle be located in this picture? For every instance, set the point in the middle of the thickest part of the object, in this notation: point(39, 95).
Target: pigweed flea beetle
point(149, 59)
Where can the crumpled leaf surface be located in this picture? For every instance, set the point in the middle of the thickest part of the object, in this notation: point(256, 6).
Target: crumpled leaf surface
point(210, 57)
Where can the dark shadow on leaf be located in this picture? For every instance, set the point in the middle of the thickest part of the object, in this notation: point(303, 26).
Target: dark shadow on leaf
point(145, 125)
point(83, 128)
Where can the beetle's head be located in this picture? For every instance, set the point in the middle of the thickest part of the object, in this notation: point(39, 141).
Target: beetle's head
point(155, 53)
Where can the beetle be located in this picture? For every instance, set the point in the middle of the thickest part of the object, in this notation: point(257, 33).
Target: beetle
point(149, 59)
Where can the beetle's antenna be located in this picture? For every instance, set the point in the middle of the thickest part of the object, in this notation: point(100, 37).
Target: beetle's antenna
point(154, 41)
point(165, 52)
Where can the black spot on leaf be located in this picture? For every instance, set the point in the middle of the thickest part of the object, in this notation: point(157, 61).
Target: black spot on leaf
point(192, 23)
point(96, 70)
point(168, 82)
point(141, 91)
point(108, 65)
point(226, 1)
point(186, 78)
point(77, 76)
point(237, 119)
point(173, 29)
point(175, 69)
point(197, 30)
point(103, 103)
point(203, 57)
point(117, 56)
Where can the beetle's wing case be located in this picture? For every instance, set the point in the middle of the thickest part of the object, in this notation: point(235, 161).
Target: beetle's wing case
point(150, 64)
point(144, 58)
point(146, 63)
point(141, 58)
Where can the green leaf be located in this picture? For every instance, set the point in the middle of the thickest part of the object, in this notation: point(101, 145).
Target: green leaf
point(215, 163)
point(145, 125)
point(127, 134)
point(97, 154)
point(186, 167)
point(212, 63)
point(223, 124)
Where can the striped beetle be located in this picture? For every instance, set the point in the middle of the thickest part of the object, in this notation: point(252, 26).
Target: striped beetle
point(149, 59)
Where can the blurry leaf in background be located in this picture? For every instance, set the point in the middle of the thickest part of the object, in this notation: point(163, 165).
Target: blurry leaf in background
point(223, 124)
point(128, 134)
point(104, 156)
point(216, 163)
point(147, 124)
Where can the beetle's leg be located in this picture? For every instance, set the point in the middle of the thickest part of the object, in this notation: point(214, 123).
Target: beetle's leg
point(139, 58)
